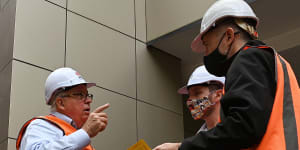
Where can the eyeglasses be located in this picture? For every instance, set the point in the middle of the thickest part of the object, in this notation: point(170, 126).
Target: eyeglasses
point(79, 96)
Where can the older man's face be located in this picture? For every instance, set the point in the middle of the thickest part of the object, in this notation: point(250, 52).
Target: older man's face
point(75, 107)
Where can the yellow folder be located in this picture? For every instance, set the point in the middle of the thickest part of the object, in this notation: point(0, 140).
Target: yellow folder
point(140, 145)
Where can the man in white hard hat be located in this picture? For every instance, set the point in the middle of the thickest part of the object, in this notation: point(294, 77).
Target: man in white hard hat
point(70, 124)
point(261, 102)
point(205, 91)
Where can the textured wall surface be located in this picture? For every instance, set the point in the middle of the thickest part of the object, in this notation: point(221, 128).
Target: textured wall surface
point(104, 40)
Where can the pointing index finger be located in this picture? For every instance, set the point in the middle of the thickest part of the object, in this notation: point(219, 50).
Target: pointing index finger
point(101, 108)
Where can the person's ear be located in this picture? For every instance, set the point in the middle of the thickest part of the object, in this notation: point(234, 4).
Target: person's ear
point(227, 40)
point(59, 103)
point(218, 95)
point(229, 35)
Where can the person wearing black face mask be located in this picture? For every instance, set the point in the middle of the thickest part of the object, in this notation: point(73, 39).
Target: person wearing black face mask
point(217, 62)
point(261, 102)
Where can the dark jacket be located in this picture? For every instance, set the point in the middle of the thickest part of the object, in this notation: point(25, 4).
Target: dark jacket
point(247, 104)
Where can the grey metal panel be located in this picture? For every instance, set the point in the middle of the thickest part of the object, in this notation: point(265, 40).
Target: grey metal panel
point(7, 24)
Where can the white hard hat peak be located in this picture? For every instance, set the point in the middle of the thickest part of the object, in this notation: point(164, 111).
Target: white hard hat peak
point(62, 78)
point(219, 10)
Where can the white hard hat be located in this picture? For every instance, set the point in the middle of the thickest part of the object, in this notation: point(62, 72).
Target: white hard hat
point(62, 78)
point(219, 10)
point(199, 76)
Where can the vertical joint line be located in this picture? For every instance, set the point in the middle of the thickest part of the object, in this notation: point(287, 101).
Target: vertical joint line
point(146, 20)
point(66, 26)
point(136, 102)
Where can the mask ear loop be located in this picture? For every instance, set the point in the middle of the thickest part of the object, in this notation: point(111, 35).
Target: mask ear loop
point(221, 40)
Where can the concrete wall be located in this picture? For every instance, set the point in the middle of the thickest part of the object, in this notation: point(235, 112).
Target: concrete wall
point(104, 40)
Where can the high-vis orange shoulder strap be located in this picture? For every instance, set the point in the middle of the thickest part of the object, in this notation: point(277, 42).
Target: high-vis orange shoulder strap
point(61, 124)
point(284, 123)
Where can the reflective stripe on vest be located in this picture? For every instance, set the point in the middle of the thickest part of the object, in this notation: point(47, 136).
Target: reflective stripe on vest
point(283, 126)
point(65, 127)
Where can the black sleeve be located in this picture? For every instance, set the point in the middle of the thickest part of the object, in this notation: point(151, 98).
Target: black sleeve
point(247, 104)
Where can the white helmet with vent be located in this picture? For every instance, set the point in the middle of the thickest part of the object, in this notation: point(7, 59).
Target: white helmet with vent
point(62, 78)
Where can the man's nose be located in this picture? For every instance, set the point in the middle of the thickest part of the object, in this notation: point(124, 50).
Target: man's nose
point(88, 100)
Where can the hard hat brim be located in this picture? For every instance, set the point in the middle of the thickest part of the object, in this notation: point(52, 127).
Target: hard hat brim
point(197, 45)
point(90, 84)
point(183, 90)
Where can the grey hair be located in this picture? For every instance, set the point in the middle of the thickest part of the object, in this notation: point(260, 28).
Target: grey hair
point(53, 107)
point(52, 102)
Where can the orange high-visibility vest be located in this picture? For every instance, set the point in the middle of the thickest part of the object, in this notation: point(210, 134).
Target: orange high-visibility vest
point(61, 124)
point(284, 123)
point(221, 111)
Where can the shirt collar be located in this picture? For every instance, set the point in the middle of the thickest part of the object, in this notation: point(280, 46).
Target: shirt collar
point(64, 118)
point(254, 43)
point(203, 128)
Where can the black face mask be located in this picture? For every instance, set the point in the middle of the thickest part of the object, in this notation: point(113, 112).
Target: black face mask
point(217, 63)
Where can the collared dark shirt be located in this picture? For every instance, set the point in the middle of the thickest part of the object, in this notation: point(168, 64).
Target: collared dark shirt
point(250, 89)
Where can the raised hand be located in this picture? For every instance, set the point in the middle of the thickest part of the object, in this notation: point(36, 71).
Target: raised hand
point(97, 121)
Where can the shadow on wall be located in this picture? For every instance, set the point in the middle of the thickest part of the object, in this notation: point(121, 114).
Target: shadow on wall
point(3, 4)
point(163, 62)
